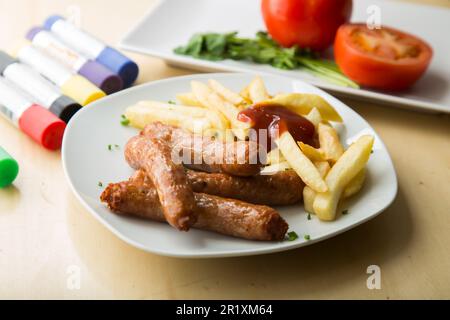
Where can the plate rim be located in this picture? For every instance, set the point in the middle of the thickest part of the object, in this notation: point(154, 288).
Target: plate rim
point(218, 254)
point(216, 66)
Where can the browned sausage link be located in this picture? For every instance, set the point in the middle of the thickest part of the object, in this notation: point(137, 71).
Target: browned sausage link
point(225, 216)
point(174, 191)
point(282, 188)
point(240, 158)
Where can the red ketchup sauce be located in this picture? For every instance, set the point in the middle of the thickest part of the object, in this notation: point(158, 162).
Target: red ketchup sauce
point(277, 119)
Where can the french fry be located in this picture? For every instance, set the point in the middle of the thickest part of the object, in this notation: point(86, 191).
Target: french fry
point(217, 120)
point(312, 153)
point(323, 167)
point(276, 167)
point(275, 156)
point(300, 163)
point(314, 117)
point(329, 142)
point(188, 99)
point(140, 116)
point(257, 90)
point(303, 103)
point(226, 93)
point(196, 112)
point(308, 199)
point(213, 101)
point(346, 168)
point(355, 185)
point(309, 194)
point(246, 95)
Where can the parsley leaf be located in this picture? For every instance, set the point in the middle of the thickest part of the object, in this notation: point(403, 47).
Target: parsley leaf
point(261, 49)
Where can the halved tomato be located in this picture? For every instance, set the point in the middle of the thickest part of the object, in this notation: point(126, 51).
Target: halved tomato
point(384, 58)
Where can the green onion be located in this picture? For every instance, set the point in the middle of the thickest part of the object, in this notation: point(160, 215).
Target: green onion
point(292, 236)
point(124, 121)
point(307, 237)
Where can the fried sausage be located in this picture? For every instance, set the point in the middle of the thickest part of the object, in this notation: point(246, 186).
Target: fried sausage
point(282, 188)
point(239, 158)
point(175, 193)
point(137, 197)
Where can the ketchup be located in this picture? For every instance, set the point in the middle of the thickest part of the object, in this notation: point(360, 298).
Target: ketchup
point(278, 119)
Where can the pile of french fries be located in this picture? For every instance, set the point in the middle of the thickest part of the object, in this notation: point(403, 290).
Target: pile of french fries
point(329, 172)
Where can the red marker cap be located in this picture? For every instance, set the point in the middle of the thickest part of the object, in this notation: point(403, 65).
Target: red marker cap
point(42, 126)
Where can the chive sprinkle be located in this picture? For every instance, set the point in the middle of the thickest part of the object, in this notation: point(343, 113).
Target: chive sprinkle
point(292, 236)
point(309, 216)
point(307, 237)
point(100, 184)
point(124, 121)
point(111, 146)
point(171, 102)
point(345, 212)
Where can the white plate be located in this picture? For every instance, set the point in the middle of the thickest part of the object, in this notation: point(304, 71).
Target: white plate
point(87, 161)
point(173, 22)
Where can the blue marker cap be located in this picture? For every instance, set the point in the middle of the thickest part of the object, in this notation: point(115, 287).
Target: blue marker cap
point(51, 20)
point(120, 64)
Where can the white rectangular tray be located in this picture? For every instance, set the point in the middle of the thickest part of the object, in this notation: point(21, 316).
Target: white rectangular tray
point(172, 22)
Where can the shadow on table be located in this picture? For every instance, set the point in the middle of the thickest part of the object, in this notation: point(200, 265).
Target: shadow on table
point(9, 199)
point(311, 271)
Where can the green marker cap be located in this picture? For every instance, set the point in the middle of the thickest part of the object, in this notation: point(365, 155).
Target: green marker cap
point(8, 168)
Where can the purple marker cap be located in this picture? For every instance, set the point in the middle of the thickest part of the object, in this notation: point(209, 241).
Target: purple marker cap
point(95, 72)
point(51, 20)
point(33, 32)
point(101, 76)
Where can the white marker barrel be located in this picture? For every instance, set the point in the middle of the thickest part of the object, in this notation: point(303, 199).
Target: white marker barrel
point(93, 48)
point(43, 91)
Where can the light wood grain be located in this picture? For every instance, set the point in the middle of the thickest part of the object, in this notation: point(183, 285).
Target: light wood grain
point(44, 230)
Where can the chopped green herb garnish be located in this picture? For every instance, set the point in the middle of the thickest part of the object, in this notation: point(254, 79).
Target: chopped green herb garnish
point(345, 212)
point(262, 49)
point(371, 151)
point(110, 146)
point(124, 121)
point(307, 237)
point(171, 102)
point(309, 216)
point(292, 236)
point(100, 184)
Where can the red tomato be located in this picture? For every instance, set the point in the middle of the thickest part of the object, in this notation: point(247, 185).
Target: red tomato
point(385, 58)
point(306, 23)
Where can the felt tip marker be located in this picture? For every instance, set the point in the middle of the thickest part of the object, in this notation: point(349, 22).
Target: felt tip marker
point(9, 168)
point(34, 120)
point(93, 48)
point(72, 85)
point(43, 91)
point(95, 72)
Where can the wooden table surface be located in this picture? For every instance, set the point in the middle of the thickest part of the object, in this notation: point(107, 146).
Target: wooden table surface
point(47, 238)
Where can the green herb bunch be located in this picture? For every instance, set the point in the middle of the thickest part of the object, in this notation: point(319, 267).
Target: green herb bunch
point(262, 49)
